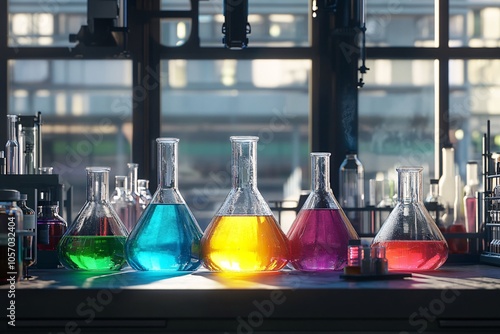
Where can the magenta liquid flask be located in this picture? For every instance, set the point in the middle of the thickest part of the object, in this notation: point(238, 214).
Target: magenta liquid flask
point(320, 234)
point(167, 236)
point(410, 236)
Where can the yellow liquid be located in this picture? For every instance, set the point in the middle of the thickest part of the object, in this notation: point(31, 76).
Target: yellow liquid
point(244, 244)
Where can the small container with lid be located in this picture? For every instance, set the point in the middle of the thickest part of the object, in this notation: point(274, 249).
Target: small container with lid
point(11, 224)
point(29, 240)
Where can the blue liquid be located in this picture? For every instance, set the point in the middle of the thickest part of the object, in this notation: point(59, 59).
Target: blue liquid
point(166, 237)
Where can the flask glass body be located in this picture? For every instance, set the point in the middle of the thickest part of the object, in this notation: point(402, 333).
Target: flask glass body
point(95, 240)
point(410, 236)
point(320, 234)
point(244, 236)
point(167, 236)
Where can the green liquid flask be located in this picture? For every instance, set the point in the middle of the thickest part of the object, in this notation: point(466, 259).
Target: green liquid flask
point(96, 239)
point(167, 236)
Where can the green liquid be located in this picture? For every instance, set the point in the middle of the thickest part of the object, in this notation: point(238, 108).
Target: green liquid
point(92, 252)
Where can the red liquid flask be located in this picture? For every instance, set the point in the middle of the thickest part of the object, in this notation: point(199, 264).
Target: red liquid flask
point(410, 236)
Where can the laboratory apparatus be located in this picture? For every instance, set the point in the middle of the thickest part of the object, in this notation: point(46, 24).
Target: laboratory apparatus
point(320, 234)
point(29, 131)
point(124, 204)
point(352, 194)
point(409, 234)
point(29, 239)
point(243, 235)
point(167, 236)
point(96, 238)
point(12, 146)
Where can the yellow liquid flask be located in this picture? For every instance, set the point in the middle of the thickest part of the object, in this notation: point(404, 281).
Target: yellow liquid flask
point(244, 236)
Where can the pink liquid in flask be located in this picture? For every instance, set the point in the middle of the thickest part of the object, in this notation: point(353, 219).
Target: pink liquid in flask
point(319, 240)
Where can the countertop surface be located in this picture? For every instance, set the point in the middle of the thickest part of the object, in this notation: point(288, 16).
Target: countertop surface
point(464, 298)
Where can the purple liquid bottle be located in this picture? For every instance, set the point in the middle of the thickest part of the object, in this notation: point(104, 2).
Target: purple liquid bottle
point(320, 234)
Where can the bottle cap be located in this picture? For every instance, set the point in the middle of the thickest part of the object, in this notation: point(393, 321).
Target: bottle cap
point(9, 195)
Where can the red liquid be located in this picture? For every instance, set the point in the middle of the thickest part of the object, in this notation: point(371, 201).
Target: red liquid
point(318, 240)
point(49, 233)
point(457, 245)
point(415, 254)
point(470, 212)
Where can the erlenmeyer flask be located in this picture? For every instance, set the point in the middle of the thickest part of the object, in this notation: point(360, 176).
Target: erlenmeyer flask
point(320, 234)
point(167, 236)
point(96, 239)
point(244, 236)
point(410, 236)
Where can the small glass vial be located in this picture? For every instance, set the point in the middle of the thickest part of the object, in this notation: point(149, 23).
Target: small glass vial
point(244, 236)
point(470, 197)
point(124, 204)
point(380, 263)
point(11, 223)
point(354, 257)
point(167, 236)
point(96, 239)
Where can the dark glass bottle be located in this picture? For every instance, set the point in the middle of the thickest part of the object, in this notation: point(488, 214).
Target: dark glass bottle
point(50, 226)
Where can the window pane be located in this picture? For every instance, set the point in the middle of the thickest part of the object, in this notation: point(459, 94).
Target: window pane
point(400, 23)
point(206, 102)
point(45, 23)
point(472, 104)
point(396, 118)
point(474, 23)
point(86, 110)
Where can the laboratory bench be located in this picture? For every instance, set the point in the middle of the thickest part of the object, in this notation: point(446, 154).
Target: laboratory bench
point(452, 299)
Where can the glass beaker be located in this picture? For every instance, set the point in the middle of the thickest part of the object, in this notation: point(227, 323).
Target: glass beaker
point(167, 236)
point(244, 236)
point(123, 203)
point(132, 190)
point(12, 146)
point(320, 234)
point(144, 193)
point(410, 236)
point(96, 239)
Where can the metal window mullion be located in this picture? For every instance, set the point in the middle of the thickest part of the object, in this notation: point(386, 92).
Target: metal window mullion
point(4, 80)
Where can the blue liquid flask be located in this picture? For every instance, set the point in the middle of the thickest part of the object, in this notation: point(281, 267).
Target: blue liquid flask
point(167, 236)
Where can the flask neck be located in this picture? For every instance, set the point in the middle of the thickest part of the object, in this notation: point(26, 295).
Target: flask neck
point(131, 184)
point(320, 171)
point(244, 162)
point(167, 162)
point(409, 184)
point(12, 131)
point(97, 184)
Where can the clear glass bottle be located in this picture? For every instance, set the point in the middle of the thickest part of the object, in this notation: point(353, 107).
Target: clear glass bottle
point(96, 239)
point(144, 193)
point(447, 191)
point(352, 189)
point(244, 236)
point(12, 146)
point(123, 203)
point(458, 245)
point(470, 198)
point(29, 222)
point(410, 236)
point(320, 233)
point(167, 236)
point(132, 189)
